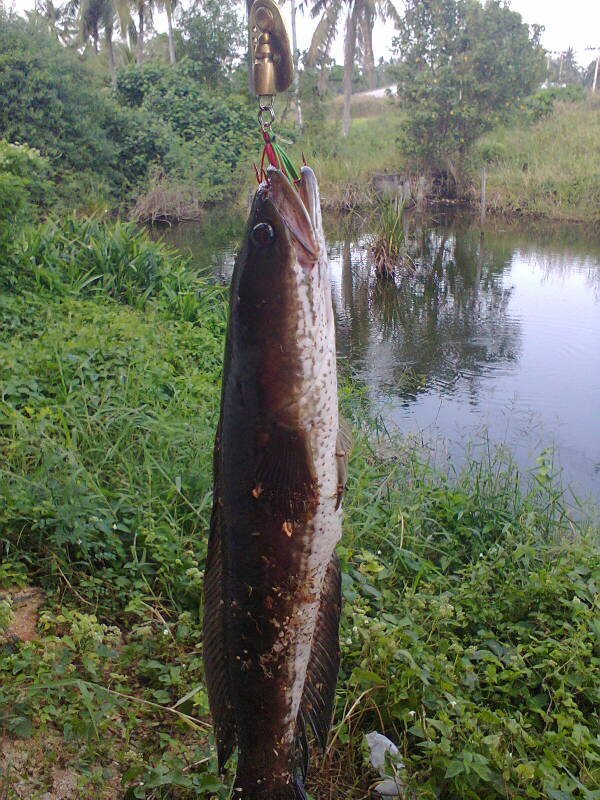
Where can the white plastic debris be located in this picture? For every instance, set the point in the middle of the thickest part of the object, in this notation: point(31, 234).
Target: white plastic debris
point(384, 753)
point(385, 758)
point(390, 787)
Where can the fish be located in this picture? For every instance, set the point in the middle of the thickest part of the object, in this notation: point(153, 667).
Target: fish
point(272, 597)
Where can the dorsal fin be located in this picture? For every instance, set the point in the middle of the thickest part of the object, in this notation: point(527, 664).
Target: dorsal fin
point(318, 699)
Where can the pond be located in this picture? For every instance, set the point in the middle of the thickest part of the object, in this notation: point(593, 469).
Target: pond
point(489, 338)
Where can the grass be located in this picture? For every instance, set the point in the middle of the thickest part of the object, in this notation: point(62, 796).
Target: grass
point(389, 240)
point(548, 169)
point(470, 628)
point(345, 166)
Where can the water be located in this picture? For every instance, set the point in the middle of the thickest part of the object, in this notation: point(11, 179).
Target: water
point(492, 338)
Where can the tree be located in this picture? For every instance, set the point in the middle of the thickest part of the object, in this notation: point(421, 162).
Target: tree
point(94, 16)
point(144, 9)
point(213, 37)
point(169, 7)
point(463, 68)
point(563, 69)
point(58, 19)
point(360, 19)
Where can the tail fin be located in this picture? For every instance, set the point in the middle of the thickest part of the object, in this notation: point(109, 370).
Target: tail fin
point(294, 790)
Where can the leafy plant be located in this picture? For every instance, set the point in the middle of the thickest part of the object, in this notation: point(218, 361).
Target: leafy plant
point(463, 67)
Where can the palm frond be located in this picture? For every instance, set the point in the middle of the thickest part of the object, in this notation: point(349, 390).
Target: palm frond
point(324, 34)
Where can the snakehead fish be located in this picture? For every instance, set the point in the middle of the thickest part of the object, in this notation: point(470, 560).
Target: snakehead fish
point(272, 589)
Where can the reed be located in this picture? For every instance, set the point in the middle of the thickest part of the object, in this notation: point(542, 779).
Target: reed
point(389, 242)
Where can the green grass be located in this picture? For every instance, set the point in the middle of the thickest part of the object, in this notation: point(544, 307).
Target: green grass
point(550, 168)
point(470, 628)
point(344, 166)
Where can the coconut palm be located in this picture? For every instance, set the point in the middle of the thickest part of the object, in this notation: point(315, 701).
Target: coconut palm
point(94, 16)
point(57, 18)
point(360, 19)
point(169, 8)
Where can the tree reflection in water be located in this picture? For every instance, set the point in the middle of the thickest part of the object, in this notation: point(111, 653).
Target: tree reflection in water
point(443, 322)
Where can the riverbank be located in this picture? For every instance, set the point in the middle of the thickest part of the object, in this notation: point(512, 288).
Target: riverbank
point(469, 631)
point(544, 169)
point(549, 169)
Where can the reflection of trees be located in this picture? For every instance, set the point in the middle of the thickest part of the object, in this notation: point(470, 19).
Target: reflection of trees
point(556, 249)
point(444, 323)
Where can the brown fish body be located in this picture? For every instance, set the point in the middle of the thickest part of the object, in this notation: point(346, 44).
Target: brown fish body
point(273, 584)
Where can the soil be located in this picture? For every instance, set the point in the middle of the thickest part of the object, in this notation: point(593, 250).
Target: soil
point(26, 601)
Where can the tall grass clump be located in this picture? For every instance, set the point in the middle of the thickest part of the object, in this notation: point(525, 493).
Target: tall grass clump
point(389, 241)
point(550, 168)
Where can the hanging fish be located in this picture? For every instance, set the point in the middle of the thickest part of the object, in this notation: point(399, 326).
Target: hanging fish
point(273, 588)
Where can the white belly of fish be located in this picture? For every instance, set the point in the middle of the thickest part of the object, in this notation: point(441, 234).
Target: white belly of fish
point(318, 412)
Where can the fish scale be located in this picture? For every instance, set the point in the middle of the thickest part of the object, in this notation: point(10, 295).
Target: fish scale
point(272, 589)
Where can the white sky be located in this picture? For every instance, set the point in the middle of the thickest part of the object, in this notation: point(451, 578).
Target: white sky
point(575, 23)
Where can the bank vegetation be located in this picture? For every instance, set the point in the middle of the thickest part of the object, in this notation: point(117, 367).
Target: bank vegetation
point(470, 624)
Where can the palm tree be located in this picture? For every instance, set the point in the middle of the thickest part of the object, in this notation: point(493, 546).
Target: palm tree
point(58, 19)
point(96, 15)
point(169, 6)
point(361, 15)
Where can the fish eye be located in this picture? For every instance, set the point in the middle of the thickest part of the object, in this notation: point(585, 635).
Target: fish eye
point(262, 234)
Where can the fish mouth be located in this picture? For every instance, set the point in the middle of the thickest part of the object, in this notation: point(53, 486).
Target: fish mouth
point(299, 210)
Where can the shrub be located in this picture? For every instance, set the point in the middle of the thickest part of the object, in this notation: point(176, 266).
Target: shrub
point(542, 103)
point(23, 182)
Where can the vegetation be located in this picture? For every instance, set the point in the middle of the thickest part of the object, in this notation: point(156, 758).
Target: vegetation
point(361, 16)
point(529, 175)
point(464, 67)
point(389, 245)
point(162, 127)
point(470, 624)
point(470, 631)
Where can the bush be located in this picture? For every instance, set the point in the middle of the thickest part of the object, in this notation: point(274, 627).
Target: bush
point(23, 182)
point(49, 100)
point(542, 103)
point(213, 132)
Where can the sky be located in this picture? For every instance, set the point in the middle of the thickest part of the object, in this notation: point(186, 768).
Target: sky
point(573, 24)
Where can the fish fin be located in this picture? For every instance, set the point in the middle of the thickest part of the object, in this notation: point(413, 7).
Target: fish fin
point(294, 790)
point(318, 699)
point(285, 478)
point(343, 446)
point(302, 758)
point(214, 646)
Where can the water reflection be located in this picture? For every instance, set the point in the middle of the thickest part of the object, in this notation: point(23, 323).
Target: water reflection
point(498, 332)
point(441, 325)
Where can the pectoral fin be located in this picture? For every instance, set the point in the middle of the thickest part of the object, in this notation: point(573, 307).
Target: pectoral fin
point(285, 474)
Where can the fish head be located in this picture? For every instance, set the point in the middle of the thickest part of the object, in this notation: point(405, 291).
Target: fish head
point(285, 251)
point(283, 290)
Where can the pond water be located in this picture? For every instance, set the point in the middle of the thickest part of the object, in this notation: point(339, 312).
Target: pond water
point(489, 338)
